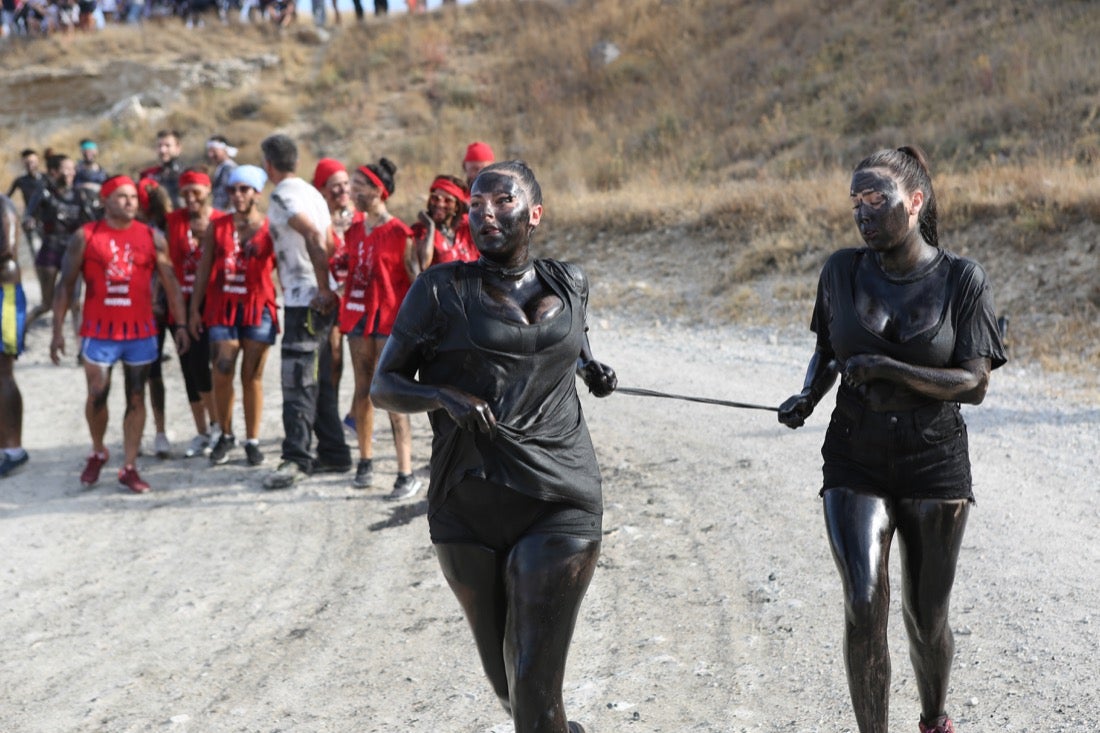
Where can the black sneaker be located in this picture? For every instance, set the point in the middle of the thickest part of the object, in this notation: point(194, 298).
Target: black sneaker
point(219, 454)
point(364, 474)
point(253, 454)
point(405, 486)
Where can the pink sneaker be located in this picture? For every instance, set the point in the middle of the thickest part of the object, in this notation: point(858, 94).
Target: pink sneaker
point(90, 475)
point(942, 725)
point(128, 477)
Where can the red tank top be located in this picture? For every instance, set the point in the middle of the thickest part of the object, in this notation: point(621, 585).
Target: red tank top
point(185, 250)
point(377, 279)
point(462, 248)
point(118, 276)
point(338, 263)
point(240, 277)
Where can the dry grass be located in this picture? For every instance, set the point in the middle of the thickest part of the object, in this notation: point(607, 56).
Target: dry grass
point(722, 134)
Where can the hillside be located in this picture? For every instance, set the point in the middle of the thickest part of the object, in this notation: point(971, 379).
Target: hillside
point(694, 152)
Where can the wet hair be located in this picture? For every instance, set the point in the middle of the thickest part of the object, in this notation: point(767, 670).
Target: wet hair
point(520, 170)
point(28, 151)
point(385, 170)
point(910, 166)
point(281, 152)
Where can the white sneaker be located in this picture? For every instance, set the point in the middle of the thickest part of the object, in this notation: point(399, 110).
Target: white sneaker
point(199, 446)
point(161, 446)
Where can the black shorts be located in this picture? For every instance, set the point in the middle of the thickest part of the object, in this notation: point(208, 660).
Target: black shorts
point(912, 454)
point(484, 513)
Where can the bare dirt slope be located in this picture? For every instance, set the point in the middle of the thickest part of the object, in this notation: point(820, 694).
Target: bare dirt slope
point(210, 605)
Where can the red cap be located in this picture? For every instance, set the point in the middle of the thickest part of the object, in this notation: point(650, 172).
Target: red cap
point(479, 153)
point(194, 178)
point(325, 169)
point(113, 184)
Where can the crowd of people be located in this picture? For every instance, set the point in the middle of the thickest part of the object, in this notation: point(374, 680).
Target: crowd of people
point(34, 18)
point(453, 317)
point(188, 252)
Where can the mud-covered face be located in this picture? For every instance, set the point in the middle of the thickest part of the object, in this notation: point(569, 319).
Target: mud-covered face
point(880, 208)
point(338, 191)
point(501, 215)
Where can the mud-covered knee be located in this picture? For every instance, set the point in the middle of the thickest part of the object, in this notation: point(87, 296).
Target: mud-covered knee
point(98, 398)
point(224, 366)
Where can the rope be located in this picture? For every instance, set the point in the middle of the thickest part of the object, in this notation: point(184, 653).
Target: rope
point(704, 400)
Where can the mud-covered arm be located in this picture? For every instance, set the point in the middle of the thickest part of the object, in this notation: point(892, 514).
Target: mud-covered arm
point(967, 382)
point(395, 387)
point(820, 376)
point(598, 377)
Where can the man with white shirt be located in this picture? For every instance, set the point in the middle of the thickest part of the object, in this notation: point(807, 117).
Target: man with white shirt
point(301, 229)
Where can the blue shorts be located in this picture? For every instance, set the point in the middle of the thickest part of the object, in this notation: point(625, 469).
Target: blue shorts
point(264, 333)
point(131, 352)
point(13, 319)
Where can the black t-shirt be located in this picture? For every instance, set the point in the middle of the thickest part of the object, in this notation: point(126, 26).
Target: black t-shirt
point(965, 329)
point(525, 372)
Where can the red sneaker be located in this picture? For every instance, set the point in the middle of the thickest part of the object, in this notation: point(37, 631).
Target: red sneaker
point(91, 469)
point(942, 725)
point(128, 477)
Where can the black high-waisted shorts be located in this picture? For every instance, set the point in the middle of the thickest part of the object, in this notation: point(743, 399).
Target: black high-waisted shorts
point(914, 454)
point(485, 513)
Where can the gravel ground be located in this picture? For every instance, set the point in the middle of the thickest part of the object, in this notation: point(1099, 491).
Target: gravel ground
point(209, 605)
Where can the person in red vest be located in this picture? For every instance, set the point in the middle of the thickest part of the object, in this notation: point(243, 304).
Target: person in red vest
point(118, 259)
point(185, 228)
point(240, 316)
point(442, 233)
point(377, 281)
point(330, 177)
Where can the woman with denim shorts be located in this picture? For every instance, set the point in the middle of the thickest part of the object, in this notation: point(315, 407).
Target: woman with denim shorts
point(239, 315)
